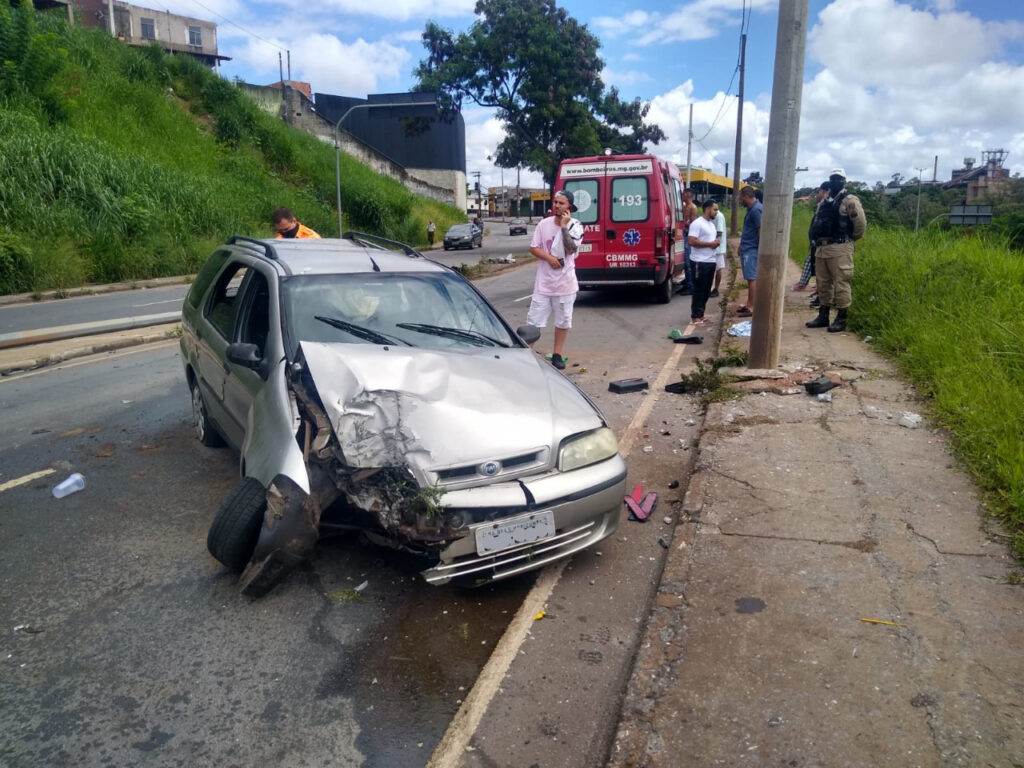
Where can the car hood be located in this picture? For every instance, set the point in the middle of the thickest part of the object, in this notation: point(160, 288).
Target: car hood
point(432, 409)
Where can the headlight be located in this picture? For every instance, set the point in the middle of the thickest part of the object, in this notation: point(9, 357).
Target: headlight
point(587, 449)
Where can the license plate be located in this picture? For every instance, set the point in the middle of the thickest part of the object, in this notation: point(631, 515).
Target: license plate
point(586, 247)
point(514, 532)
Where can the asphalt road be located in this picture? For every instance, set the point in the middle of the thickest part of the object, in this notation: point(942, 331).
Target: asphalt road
point(124, 643)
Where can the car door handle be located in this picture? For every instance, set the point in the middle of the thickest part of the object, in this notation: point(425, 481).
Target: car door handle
point(610, 234)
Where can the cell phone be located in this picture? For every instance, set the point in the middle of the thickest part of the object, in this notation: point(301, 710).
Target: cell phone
point(561, 262)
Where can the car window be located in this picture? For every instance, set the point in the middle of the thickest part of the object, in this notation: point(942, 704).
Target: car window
point(386, 305)
point(254, 323)
point(629, 198)
point(585, 194)
point(224, 302)
point(680, 214)
point(205, 276)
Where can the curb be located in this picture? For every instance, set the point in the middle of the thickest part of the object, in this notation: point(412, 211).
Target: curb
point(101, 344)
point(93, 290)
point(76, 330)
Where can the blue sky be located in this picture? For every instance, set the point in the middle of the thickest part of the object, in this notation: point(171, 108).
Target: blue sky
point(888, 84)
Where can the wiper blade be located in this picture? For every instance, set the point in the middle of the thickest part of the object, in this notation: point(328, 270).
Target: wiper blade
point(453, 333)
point(366, 334)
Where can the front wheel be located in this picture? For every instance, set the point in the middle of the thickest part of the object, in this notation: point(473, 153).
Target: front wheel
point(206, 433)
point(236, 528)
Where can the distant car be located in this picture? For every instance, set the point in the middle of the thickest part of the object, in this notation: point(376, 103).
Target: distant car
point(372, 389)
point(517, 227)
point(463, 236)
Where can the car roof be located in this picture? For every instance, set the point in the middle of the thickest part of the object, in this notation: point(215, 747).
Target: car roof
point(332, 256)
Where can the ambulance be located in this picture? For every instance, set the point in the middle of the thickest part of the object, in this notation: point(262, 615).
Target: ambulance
point(631, 208)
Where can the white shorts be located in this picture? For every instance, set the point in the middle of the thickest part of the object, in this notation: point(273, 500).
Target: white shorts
point(541, 308)
point(720, 261)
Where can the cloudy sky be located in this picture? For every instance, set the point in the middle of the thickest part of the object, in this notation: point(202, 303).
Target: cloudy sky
point(888, 84)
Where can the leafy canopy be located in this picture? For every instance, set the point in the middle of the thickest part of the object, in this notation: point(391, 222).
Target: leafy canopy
point(539, 69)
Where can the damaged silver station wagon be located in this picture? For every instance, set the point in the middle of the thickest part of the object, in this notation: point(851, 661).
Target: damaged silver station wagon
point(372, 389)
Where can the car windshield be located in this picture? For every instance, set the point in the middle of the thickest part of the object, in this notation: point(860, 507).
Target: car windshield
point(435, 310)
point(461, 230)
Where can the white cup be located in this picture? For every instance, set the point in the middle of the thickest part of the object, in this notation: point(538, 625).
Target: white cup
point(74, 482)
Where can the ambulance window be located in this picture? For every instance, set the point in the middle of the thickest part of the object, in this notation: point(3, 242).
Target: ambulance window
point(680, 213)
point(629, 198)
point(584, 191)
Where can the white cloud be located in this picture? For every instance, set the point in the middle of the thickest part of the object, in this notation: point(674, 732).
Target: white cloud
point(619, 79)
point(484, 133)
point(698, 20)
point(398, 10)
point(350, 69)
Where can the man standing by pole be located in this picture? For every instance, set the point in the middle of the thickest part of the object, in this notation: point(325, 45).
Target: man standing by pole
point(749, 242)
point(838, 222)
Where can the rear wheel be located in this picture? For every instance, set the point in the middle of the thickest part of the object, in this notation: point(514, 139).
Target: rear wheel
point(663, 292)
point(206, 433)
point(236, 528)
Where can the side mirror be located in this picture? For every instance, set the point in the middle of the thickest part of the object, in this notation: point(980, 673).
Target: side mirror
point(528, 333)
point(247, 356)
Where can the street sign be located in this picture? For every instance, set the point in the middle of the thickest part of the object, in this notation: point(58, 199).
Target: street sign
point(970, 214)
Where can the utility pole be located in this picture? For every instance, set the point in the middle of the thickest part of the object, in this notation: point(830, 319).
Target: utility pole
point(917, 221)
point(739, 142)
point(110, 18)
point(689, 146)
point(780, 169)
point(479, 203)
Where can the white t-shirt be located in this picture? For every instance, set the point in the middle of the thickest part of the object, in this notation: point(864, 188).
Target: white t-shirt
point(720, 227)
point(705, 231)
point(548, 237)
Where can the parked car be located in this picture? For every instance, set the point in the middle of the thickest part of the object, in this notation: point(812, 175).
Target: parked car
point(517, 227)
point(376, 390)
point(463, 236)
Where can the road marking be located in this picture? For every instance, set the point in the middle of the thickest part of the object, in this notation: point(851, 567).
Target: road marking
point(453, 744)
point(522, 298)
point(154, 303)
point(25, 479)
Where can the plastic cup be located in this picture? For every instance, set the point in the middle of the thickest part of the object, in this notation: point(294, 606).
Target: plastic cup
point(73, 483)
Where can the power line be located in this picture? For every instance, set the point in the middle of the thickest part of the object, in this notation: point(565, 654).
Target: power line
point(239, 26)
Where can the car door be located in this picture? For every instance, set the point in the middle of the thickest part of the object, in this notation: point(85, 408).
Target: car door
point(252, 326)
point(214, 333)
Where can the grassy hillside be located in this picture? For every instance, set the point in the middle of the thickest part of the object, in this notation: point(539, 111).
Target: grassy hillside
point(120, 163)
point(945, 305)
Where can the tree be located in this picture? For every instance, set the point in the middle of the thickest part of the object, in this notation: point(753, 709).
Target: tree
point(539, 69)
point(754, 179)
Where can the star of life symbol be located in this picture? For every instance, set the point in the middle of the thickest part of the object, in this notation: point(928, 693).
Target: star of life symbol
point(631, 236)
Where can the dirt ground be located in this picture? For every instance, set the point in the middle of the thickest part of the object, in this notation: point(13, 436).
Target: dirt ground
point(834, 595)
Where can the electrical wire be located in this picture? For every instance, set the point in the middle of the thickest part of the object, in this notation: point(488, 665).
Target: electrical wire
point(239, 26)
point(744, 25)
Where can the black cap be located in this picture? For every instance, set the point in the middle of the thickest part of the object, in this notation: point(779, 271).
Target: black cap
point(568, 196)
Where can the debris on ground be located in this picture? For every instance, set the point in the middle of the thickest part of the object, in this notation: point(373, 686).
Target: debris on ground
point(819, 385)
point(741, 330)
point(691, 339)
point(622, 386)
point(73, 483)
point(674, 484)
point(825, 397)
point(910, 420)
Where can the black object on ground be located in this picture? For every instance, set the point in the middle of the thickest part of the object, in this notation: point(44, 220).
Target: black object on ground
point(691, 339)
point(677, 388)
point(818, 385)
point(627, 385)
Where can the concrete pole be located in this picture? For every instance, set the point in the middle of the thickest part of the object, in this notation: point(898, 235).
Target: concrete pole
point(780, 170)
point(110, 18)
point(689, 147)
point(734, 211)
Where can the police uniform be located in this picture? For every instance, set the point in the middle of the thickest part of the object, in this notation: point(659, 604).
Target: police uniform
point(838, 222)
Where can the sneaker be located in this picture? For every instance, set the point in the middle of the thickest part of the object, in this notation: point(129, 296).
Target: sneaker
point(814, 302)
point(713, 295)
point(558, 361)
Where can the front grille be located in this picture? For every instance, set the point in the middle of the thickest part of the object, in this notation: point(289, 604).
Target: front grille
point(510, 467)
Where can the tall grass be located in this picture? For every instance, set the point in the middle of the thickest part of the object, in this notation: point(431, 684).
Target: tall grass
point(946, 306)
point(127, 163)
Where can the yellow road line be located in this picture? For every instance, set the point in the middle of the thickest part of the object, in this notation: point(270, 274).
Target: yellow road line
point(25, 479)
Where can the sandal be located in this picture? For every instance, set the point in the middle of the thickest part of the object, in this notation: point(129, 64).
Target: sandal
point(698, 321)
point(744, 312)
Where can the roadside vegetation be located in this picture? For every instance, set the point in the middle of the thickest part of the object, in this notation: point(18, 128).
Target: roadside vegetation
point(120, 163)
point(945, 305)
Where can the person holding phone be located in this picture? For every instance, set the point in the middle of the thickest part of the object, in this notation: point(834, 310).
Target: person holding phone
point(556, 241)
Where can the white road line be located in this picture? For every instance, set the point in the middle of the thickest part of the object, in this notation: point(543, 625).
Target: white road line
point(452, 746)
point(154, 303)
point(25, 479)
point(522, 298)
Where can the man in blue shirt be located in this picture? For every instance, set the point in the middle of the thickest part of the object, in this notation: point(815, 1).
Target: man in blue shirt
point(749, 240)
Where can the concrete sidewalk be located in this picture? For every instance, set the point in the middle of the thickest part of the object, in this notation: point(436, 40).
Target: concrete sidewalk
point(804, 518)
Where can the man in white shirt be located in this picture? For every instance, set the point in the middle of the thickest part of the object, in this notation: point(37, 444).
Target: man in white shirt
point(719, 253)
point(703, 239)
point(555, 243)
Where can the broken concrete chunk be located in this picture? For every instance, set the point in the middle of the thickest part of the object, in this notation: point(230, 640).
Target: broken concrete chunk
point(825, 397)
point(752, 373)
point(910, 420)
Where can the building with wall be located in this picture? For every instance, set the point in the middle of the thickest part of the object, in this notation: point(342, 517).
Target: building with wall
point(136, 25)
point(983, 180)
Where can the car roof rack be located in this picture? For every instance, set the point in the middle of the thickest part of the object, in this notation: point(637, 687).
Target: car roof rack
point(267, 248)
point(375, 241)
